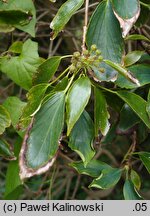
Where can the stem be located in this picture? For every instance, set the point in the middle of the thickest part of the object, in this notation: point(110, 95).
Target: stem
point(66, 56)
point(85, 25)
point(70, 82)
point(59, 76)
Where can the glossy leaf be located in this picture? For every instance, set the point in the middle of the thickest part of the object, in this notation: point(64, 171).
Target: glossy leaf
point(126, 15)
point(46, 70)
point(77, 99)
point(108, 178)
point(135, 178)
point(62, 84)
point(132, 57)
point(93, 168)
point(111, 135)
point(145, 158)
point(21, 68)
point(101, 114)
point(15, 107)
point(140, 71)
point(34, 97)
point(127, 118)
point(43, 139)
point(148, 104)
point(137, 104)
point(129, 191)
point(5, 120)
point(126, 8)
point(6, 150)
point(13, 188)
point(81, 138)
point(63, 15)
point(104, 31)
point(21, 7)
point(136, 37)
point(123, 71)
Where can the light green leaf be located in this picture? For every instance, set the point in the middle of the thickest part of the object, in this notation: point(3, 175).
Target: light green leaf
point(16, 47)
point(81, 138)
point(43, 139)
point(132, 57)
point(135, 178)
point(126, 8)
point(136, 37)
point(18, 11)
point(63, 15)
point(105, 32)
point(145, 158)
point(13, 17)
point(77, 99)
point(14, 106)
point(21, 68)
point(127, 118)
point(5, 120)
point(46, 70)
point(101, 114)
point(137, 104)
point(6, 150)
point(34, 97)
point(13, 188)
point(148, 104)
point(108, 178)
point(93, 168)
point(140, 71)
point(130, 192)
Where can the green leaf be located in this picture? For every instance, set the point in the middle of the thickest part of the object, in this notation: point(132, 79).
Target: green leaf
point(13, 188)
point(132, 57)
point(77, 99)
point(14, 106)
point(136, 37)
point(108, 178)
point(46, 70)
point(123, 71)
point(130, 192)
point(137, 104)
point(5, 120)
point(81, 138)
point(126, 8)
point(135, 178)
point(63, 15)
point(111, 135)
point(148, 104)
point(127, 118)
point(140, 71)
point(17, 10)
point(61, 85)
point(6, 150)
point(101, 114)
point(145, 158)
point(21, 68)
point(104, 31)
point(43, 139)
point(11, 18)
point(16, 47)
point(34, 97)
point(93, 168)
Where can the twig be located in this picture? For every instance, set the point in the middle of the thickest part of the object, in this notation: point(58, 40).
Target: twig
point(85, 25)
point(76, 187)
